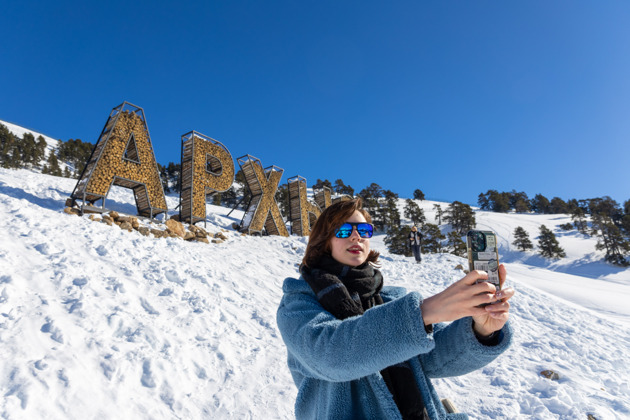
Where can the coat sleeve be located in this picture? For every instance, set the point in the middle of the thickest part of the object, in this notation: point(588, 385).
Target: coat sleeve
point(342, 350)
point(457, 350)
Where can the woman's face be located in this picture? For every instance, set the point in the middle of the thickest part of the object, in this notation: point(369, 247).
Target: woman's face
point(353, 250)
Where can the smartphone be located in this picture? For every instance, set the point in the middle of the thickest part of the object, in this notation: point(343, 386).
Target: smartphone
point(483, 254)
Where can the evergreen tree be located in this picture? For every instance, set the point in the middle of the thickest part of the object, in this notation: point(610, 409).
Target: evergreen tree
point(461, 217)
point(52, 166)
point(438, 213)
point(6, 145)
point(456, 245)
point(397, 241)
point(558, 206)
point(343, 189)
point(414, 213)
point(548, 244)
point(540, 204)
point(76, 153)
point(388, 214)
point(521, 241)
point(578, 217)
point(519, 201)
point(282, 198)
point(418, 195)
point(40, 149)
point(611, 240)
point(321, 184)
point(432, 238)
point(370, 196)
point(483, 201)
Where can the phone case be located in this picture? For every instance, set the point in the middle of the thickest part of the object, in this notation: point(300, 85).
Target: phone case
point(483, 254)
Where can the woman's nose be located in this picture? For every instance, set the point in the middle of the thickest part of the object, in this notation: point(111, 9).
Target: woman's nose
point(355, 234)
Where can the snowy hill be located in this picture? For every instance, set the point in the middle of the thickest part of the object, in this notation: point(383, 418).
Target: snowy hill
point(20, 131)
point(99, 323)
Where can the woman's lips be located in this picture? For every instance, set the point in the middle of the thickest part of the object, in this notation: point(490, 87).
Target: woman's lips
point(355, 250)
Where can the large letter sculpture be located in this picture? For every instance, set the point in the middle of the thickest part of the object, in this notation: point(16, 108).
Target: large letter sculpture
point(122, 156)
point(262, 210)
point(302, 213)
point(207, 168)
point(323, 197)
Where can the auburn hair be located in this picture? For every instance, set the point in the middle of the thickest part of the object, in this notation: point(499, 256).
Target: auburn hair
point(324, 230)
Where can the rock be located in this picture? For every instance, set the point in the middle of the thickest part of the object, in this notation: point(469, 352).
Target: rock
point(204, 239)
point(176, 227)
point(135, 223)
point(550, 374)
point(459, 267)
point(114, 215)
point(217, 241)
point(158, 233)
point(144, 230)
point(72, 210)
point(221, 235)
point(107, 221)
point(94, 218)
point(126, 226)
point(189, 236)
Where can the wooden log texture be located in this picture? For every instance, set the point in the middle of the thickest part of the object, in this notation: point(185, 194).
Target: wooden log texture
point(112, 169)
point(263, 210)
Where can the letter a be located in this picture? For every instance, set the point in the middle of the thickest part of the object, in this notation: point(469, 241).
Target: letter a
point(123, 156)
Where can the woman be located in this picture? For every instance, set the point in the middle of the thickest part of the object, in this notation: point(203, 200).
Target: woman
point(358, 350)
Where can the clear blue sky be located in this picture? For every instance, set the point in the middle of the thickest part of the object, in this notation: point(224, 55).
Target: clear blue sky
point(451, 97)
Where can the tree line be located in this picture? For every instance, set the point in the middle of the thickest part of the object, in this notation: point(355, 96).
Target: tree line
point(609, 221)
point(30, 153)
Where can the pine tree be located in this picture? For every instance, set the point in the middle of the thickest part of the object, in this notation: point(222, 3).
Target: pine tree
point(578, 218)
point(521, 241)
point(397, 240)
point(282, 198)
point(432, 238)
point(548, 244)
point(414, 213)
point(388, 214)
point(321, 184)
point(343, 189)
point(370, 196)
point(540, 204)
point(418, 195)
point(52, 166)
point(438, 213)
point(558, 206)
point(456, 245)
point(611, 240)
point(461, 217)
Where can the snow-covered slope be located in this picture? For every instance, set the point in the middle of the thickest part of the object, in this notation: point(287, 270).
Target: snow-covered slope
point(99, 323)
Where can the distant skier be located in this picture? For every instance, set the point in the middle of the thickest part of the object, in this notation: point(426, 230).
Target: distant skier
point(415, 240)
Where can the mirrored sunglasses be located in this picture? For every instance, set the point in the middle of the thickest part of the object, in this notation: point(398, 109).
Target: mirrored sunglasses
point(365, 230)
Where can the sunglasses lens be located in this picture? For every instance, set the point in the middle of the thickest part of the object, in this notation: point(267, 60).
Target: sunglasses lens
point(365, 230)
point(344, 231)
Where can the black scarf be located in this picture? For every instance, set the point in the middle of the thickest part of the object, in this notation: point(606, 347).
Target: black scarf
point(346, 291)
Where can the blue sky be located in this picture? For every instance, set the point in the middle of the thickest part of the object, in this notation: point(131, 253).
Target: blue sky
point(452, 97)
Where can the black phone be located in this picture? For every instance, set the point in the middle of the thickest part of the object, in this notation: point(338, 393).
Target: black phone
point(483, 254)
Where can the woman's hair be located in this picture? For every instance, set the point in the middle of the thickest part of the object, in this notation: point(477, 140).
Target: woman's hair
point(324, 230)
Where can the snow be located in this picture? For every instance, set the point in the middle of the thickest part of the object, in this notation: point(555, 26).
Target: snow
point(99, 323)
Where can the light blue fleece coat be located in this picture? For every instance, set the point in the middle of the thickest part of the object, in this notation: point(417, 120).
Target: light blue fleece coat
point(336, 363)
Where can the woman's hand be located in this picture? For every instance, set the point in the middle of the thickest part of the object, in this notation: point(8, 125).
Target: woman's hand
point(463, 298)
